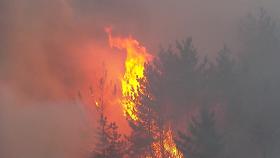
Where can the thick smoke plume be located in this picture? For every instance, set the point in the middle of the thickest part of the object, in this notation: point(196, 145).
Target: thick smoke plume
point(52, 52)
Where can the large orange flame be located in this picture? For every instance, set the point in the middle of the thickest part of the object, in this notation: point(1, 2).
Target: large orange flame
point(136, 58)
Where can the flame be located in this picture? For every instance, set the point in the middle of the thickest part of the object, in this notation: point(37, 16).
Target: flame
point(170, 149)
point(97, 104)
point(136, 58)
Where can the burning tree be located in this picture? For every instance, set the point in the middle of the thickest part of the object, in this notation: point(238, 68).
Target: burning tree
point(151, 136)
point(142, 130)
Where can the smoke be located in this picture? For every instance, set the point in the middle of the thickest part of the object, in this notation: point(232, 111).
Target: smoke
point(32, 129)
point(42, 68)
point(50, 50)
point(211, 24)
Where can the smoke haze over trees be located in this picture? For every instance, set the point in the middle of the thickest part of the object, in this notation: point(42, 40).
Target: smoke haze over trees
point(216, 85)
point(240, 91)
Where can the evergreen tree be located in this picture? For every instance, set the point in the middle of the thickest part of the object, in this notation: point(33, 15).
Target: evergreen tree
point(150, 126)
point(181, 79)
point(110, 143)
point(140, 141)
point(143, 129)
point(225, 65)
point(224, 77)
point(103, 142)
point(254, 120)
point(116, 148)
point(203, 141)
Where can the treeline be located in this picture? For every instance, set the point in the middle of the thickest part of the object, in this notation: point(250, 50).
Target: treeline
point(244, 86)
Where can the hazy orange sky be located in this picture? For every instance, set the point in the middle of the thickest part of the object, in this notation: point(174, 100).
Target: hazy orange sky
point(52, 49)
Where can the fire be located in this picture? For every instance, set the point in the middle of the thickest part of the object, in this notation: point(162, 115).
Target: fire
point(136, 58)
point(170, 149)
point(97, 104)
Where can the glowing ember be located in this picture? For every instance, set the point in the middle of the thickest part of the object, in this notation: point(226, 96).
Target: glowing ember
point(97, 104)
point(170, 149)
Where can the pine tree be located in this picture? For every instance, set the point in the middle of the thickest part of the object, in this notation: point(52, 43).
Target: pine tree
point(181, 72)
point(203, 141)
point(140, 141)
point(141, 138)
point(257, 112)
point(149, 132)
point(110, 143)
point(103, 142)
point(224, 75)
point(116, 146)
point(225, 63)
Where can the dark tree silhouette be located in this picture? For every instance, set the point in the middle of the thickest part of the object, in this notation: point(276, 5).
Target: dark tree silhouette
point(181, 77)
point(110, 143)
point(143, 129)
point(203, 140)
point(151, 126)
point(256, 100)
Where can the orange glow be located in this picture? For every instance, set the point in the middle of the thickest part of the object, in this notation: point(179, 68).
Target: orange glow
point(170, 149)
point(97, 104)
point(136, 57)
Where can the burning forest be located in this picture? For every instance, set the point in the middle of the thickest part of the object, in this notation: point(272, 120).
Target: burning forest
point(139, 79)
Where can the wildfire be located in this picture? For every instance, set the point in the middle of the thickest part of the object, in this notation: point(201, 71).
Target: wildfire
point(136, 58)
point(170, 149)
point(97, 104)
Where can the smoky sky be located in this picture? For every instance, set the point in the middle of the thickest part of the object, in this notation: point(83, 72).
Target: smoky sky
point(210, 23)
point(47, 42)
point(50, 50)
